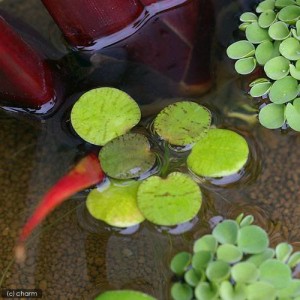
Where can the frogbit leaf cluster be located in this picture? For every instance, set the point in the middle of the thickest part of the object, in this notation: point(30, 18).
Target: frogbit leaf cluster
point(130, 194)
point(235, 262)
point(273, 43)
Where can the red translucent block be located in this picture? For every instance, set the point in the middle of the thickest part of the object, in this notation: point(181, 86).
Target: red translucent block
point(26, 79)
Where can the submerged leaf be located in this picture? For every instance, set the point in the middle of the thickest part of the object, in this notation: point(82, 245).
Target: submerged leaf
point(103, 114)
point(170, 201)
point(183, 123)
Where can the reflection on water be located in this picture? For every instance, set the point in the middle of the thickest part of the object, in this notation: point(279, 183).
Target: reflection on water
point(72, 256)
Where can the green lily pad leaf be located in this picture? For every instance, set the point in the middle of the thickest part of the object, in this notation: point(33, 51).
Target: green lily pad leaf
point(245, 66)
point(264, 52)
point(283, 3)
point(201, 259)
point(279, 31)
point(277, 67)
point(252, 239)
point(180, 262)
point(289, 14)
point(290, 48)
point(226, 232)
point(260, 291)
point(272, 116)
point(258, 259)
point(260, 89)
point(206, 243)
point(266, 19)
point(170, 201)
point(229, 253)
point(291, 291)
point(284, 90)
point(292, 113)
point(255, 34)
point(217, 271)
point(206, 291)
point(265, 6)
point(295, 73)
point(181, 291)
point(244, 272)
point(240, 49)
point(228, 292)
point(248, 220)
point(220, 153)
point(127, 156)
point(248, 17)
point(103, 114)
point(116, 205)
point(192, 278)
point(124, 295)
point(283, 251)
point(276, 273)
point(294, 260)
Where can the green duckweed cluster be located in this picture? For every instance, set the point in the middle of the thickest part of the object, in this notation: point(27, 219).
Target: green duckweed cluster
point(272, 42)
point(235, 262)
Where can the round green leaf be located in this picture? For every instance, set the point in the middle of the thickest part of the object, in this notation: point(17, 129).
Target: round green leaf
point(291, 291)
point(103, 114)
point(226, 232)
point(245, 65)
point(127, 156)
point(260, 89)
point(206, 291)
point(294, 260)
point(264, 52)
point(284, 90)
point(220, 153)
point(248, 17)
point(181, 291)
point(265, 6)
point(283, 251)
point(258, 259)
point(243, 26)
point(295, 72)
point(201, 259)
point(276, 273)
point(180, 262)
point(116, 205)
point(244, 272)
point(279, 31)
point(123, 295)
point(252, 239)
point(206, 243)
point(260, 291)
point(183, 123)
point(289, 14)
point(255, 34)
point(228, 292)
point(248, 220)
point(192, 278)
point(170, 201)
point(292, 113)
point(272, 116)
point(240, 49)
point(283, 3)
point(266, 19)
point(290, 48)
point(217, 271)
point(277, 67)
point(229, 253)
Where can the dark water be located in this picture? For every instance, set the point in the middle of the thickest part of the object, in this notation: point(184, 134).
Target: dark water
point(71, 256)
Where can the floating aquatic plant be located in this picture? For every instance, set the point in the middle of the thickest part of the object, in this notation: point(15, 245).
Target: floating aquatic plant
point(220, 153)
point(103, 114)
point(235, 262)
point(123, 295)
point(273, 43)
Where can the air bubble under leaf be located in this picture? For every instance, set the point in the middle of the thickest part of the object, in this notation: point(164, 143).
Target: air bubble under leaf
point(226, 232)
point(169, 201)
point(180, 262)
point(277, 67)
point(240, 49)
point(245, 66)
point(181, 291)
point(116, 205)
point(252, 239)
point(244, 272)
point(220, 153)
point(272, 116)
point(255, 34)
point(290, 48)
point(124, 295)
point(266, 19)
point(127, 156)
point(279, 31)
point(183, 123)
point(103, 114)
point(284, 90)
point(289, 14)
point(292, 113)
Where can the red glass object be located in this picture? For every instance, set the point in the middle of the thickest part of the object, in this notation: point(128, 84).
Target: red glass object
point(26, 79)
